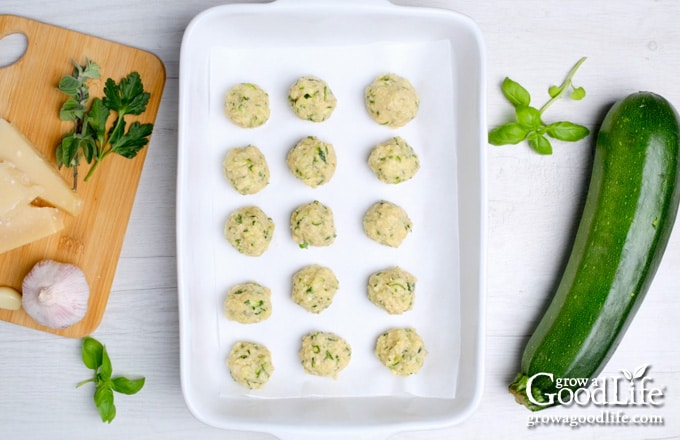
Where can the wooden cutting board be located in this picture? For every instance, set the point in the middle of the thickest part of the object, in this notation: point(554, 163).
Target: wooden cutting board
point(29, 99)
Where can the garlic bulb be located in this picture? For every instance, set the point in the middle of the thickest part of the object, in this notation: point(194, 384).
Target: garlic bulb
point(55, 294)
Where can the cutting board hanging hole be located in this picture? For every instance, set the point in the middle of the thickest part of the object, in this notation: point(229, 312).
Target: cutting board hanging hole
point(12, 48)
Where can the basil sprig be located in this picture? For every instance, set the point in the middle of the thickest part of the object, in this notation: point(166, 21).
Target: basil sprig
point(96, 358)
point(529, 125)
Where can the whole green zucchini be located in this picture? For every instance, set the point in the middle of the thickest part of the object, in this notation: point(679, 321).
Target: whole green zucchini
point(627, 219)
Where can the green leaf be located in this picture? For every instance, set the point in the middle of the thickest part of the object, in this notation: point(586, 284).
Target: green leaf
point(89, 149)
point(137, 105)
point(71, 146)
point(567, 131)
point(133, 141)
point(103, 399)
point(69, 85)
point(515, 93)
point(106, 369)
point(510, 133)
point(131, 86)
point(539, 143)
point(578, 93)
point(112, 97)
point(97, 117)
point(92, 352)
point(71, 110)
point(126, 386)
point(128, 97)
point(553, 91)
point(117, 131)
point(90, 71)
point(59, 153)
point(528, 117)
point(67, 150)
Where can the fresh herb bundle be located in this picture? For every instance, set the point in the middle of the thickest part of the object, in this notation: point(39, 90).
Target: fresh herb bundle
point(96, 358)
point(92, 137)
point(529, 123)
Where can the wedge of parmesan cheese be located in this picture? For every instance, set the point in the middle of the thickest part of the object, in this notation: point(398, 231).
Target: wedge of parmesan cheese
point(25, 176)
point(15, 188)
point(20, 221)
point(27, 223)
point(17, 149)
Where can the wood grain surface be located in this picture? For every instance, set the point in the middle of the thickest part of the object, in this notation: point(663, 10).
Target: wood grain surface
point(30, 100)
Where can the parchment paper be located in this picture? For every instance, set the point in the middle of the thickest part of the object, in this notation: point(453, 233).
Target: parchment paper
point(430, 252)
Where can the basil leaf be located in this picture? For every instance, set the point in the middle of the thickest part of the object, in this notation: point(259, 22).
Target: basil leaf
point(539, 143)
point(92, 352)
point(515, 93)
point(566, 131)
point(528, 117)
point(578, 93)
point(510, 133)
point(554, 91)
point(106, 369)
point(126, 386)
point(103, 399)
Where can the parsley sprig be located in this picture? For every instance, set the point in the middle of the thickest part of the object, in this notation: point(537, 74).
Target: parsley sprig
point(92, 137)
point(529, 123)
point(96, 358)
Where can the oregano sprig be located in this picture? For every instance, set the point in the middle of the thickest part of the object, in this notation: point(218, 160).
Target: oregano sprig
point(96, 358)
point(77, 143)
point(529, 124)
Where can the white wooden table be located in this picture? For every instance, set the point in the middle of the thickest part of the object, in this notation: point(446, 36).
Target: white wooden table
point(533, 209)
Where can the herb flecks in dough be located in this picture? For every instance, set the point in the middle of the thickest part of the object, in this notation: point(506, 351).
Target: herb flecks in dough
point(402, 350)
point(394, 161)
point(392, 289)
point(249, 230)
point(246, 169)
point(314, 287)
point(312, 224)
point(247, 105)
point(391, 100)
point(387, 223)
point(311, 99)
point(250, 364)
point(248, 303)
point(312, 161)
point(324, 354)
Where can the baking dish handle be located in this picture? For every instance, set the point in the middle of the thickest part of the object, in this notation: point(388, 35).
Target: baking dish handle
point(335, 2)
point(308, 435)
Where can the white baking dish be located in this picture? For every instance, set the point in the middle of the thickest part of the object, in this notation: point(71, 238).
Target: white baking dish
point(347, 43)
